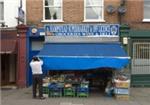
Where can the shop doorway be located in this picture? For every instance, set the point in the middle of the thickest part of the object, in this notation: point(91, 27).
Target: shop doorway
point(97, 79)
point(8, 69)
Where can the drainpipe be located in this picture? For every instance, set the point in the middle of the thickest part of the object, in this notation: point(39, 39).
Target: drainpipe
point(121, 10)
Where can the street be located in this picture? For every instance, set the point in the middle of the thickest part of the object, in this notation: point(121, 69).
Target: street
point(138, 96)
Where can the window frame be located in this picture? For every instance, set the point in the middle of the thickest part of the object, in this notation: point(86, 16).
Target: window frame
point(94, 20)
point(2, 21)
point(145, 19)
point(49, 20)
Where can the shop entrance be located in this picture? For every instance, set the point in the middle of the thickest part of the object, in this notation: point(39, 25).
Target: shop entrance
point(141, 57)
point(95, 81)
point(8, 69)
point(141, 63)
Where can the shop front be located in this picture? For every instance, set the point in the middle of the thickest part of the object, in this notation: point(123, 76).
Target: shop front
point(90, 51)
point(138, 46)
point(8, 57)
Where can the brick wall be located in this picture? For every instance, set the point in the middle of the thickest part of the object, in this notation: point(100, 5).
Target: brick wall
point(135, 15)
point(8, 33)
point(73, 12)
point(34, 12)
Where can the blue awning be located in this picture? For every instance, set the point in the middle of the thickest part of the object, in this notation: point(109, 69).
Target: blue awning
point(83, 56)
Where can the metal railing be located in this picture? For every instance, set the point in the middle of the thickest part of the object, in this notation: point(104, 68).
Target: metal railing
point(141, 58)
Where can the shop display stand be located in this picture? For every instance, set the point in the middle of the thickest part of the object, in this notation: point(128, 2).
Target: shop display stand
point(122, 89)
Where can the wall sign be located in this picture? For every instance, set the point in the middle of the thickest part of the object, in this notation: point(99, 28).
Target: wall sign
point(109, 30)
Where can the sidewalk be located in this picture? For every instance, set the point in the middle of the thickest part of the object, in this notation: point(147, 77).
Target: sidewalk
point(139, 96)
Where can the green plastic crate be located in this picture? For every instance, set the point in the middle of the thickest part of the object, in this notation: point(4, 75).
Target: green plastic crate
point(45, 91)
point(82, 94)
point(69, 92)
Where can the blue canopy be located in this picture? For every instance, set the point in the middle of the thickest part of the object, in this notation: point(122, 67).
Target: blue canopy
point(83, 56)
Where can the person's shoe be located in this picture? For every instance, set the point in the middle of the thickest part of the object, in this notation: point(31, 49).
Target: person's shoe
point(42, 98)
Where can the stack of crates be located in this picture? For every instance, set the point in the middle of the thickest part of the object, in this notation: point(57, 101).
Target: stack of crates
point(69, 91)
point(55, 90)
point(83, 90)
point(45, 91)
point(45, 87)
point(122, 89)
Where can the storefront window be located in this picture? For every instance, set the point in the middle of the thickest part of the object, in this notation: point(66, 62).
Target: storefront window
point(37, 45)
point(53, 10)
point(1, 11)
point(147, 10)
point(142, 51)
point(93, 10)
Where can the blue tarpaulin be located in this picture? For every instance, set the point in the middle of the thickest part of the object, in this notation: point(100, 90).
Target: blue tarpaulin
point(83, 56)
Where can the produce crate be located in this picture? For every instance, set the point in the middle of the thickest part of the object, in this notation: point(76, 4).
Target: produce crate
point(121, 91)
point(45, 91)
point(82, 94)
point(56, 92)
point(122, 97)
point(80, 89)
point(69, 91)
point(122, 84)
point(83, 89)
point(84, 85)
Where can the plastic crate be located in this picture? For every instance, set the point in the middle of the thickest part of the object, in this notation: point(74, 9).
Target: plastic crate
point(121, 91)
point(80, 89)
point(84, 85)
point(45, 91)
point(69, 92)
point(82, 94)
point(57, 92)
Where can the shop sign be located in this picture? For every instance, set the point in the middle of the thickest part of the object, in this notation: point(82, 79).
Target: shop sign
point(109, 30)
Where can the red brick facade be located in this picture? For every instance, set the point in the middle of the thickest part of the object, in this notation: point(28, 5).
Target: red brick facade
point(21, 64)
point(73, 12)
point(8, 52)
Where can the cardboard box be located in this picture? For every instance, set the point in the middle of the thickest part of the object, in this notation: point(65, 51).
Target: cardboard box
point(122, 97)
point(122, 84)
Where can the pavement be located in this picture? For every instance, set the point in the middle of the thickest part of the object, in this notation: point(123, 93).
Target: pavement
point(138, 96)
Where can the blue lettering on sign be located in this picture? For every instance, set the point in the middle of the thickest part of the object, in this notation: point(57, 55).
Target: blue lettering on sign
point(83, 29)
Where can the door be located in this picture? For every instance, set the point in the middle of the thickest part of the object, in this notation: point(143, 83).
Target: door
point(5, 69)
point(141, 64)
point(8, 69)
point(141, 58)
